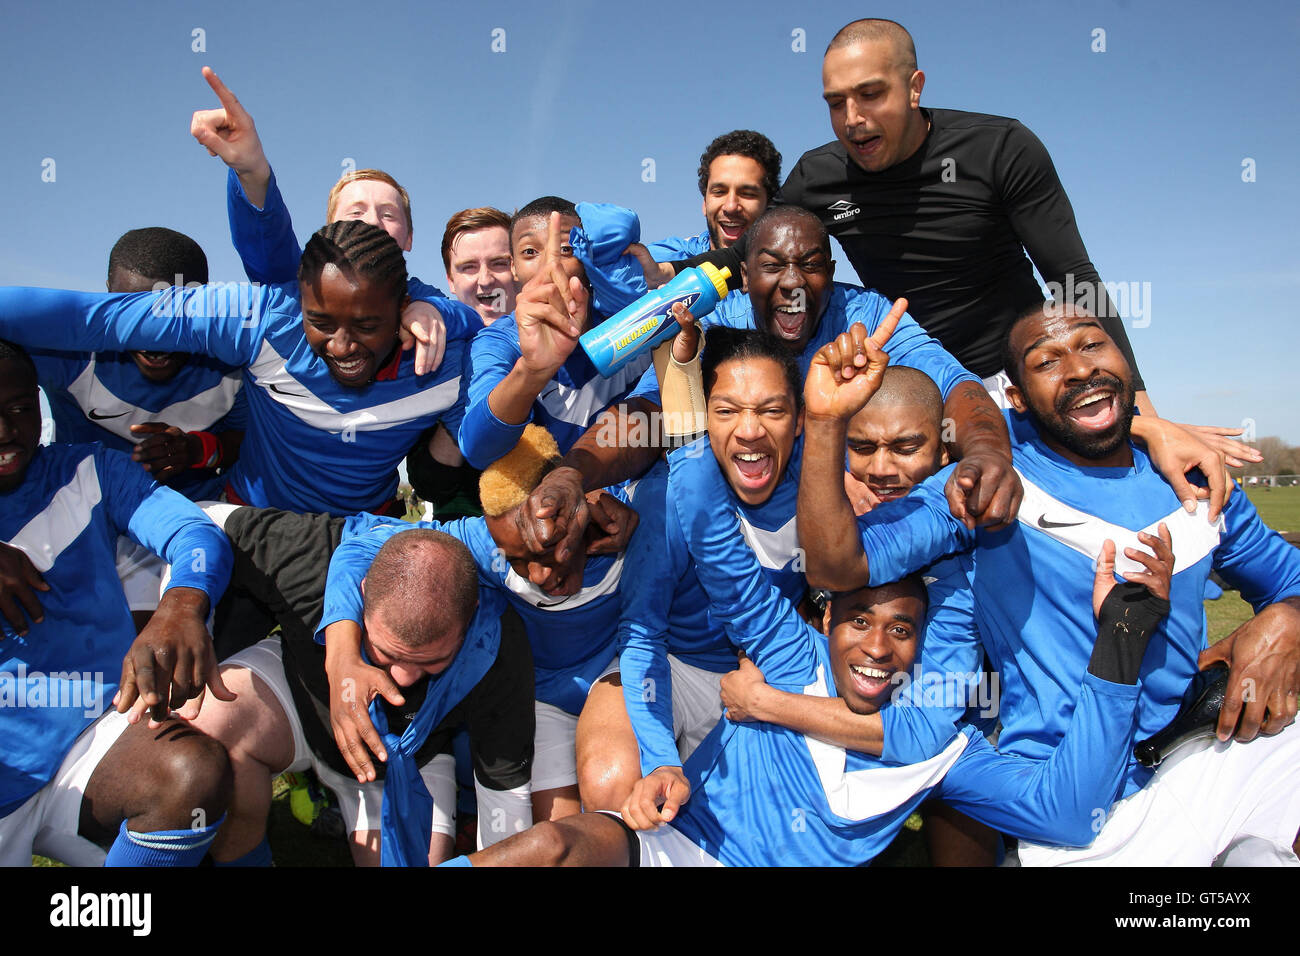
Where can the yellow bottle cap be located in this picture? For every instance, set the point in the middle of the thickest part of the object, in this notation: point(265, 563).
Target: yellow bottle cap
point(717, 276)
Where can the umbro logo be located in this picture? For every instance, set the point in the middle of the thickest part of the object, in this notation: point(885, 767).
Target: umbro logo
point(1049, 525)
point(843, 209)
point(96, 416)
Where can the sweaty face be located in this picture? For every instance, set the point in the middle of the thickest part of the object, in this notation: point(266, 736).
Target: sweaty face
point(753, 422)
point(1076, 383)
point(733, 198)
point(351, 324)
point(157, 367)
point(557, 579)
point(377, 203)
point(873, 636)
point(874, 104)
point(528, 243)
point(20, 422)
point(790, 279)
point(406, 665)
point(891, 449)
point(480, 273)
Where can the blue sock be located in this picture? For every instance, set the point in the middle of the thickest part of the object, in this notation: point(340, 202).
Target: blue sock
point(161, 847)
point(456, 861)
point(259, 855)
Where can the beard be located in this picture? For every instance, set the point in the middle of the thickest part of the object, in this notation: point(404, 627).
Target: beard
point(1086, 444)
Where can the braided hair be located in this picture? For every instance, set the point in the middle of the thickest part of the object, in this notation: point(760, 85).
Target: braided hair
point(359, 250)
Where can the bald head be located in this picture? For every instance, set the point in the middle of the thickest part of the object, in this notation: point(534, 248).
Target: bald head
point(879, 31)
point(422, 586)
point(903, 387)
point(813, 232)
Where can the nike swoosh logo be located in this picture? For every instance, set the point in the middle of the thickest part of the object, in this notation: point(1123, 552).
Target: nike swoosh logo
point(99, 418)
point(280, 391)
point(541, 606)
point(1048, 525)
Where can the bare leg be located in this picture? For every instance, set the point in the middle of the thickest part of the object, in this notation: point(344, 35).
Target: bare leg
point(955, 839)
point(589, 839)
point(609, 763)
point(258, 736)
point(168, 778)
point(556, 803)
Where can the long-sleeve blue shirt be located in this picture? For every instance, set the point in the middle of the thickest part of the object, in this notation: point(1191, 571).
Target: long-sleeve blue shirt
point(312, 445)
point(74, 503)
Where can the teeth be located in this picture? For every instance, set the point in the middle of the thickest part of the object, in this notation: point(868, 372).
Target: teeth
point(751, 456)
point(790, 309)
point(872, 672)
point(1091, 400)
point(7, 458)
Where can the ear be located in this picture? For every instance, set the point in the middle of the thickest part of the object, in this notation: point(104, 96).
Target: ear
point(1017, 399)
point(704, 207)
point(410, 236)
point(798, 424)
point(826, 619)
point(944, 460)
point(915, 86)
point(830, 271)
point(744, 279)
point(406, 300)
point(363, 587)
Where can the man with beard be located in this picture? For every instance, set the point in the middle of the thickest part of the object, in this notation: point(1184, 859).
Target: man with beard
point(792, 295)
point(1086, 482)
point(739, 173)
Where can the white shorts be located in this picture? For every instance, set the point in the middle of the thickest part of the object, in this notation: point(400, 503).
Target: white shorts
point(697, 702)
point(555, 760)
point(1209, 803)
point(361, 804)
point(141, 573)
point(668, 846)
point(47, 823)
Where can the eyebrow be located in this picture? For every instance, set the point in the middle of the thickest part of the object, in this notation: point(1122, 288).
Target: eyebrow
point(1043, 338)
point(780, 397)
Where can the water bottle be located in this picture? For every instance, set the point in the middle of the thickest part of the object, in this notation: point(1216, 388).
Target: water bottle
point(649, 320)
point(1197, 716)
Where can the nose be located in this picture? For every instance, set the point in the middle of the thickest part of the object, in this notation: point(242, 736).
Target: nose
point(404, 675)
point(732, 202)
point(881, 465)
point(875, 644)
point(750, 426)
point(340, 344)
point(1077, 366)
point(852, 117)
point(791, 278)
point(7, 431)
point(370, 216)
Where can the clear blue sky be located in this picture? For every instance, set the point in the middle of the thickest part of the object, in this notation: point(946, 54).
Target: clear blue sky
point(1149, 137)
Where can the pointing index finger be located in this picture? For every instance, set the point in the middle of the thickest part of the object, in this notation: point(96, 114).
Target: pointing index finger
point(889, 323)
point(227, 98)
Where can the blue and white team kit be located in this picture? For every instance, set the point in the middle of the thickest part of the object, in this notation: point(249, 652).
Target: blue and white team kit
point(57, 681)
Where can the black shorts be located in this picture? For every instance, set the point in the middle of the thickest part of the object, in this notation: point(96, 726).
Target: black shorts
point(282, 562)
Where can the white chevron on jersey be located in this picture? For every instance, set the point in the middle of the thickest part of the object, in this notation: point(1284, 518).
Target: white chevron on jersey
point(548, 602)
point(269, 371)
point(775, 549)
point(578, 406)
point(61, 521)
point(1192, 534)
point(198, 413)
point(866, 793)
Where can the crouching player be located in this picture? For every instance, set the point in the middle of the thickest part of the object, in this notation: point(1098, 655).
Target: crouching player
point(69, 776)
point(427, 654)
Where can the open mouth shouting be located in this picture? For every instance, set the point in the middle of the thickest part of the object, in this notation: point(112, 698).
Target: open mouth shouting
point(1093, 406)
point(753, 470)
point(789, 320)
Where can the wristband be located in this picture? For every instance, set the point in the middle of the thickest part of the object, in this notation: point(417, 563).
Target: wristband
point(210, 456)
point(1128, 617)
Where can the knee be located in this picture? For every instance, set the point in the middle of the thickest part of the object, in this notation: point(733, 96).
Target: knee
point(549, 845)
point(191, 773)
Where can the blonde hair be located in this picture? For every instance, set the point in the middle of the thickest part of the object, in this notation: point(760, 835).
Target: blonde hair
point(379, 176)
point(509, 480)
